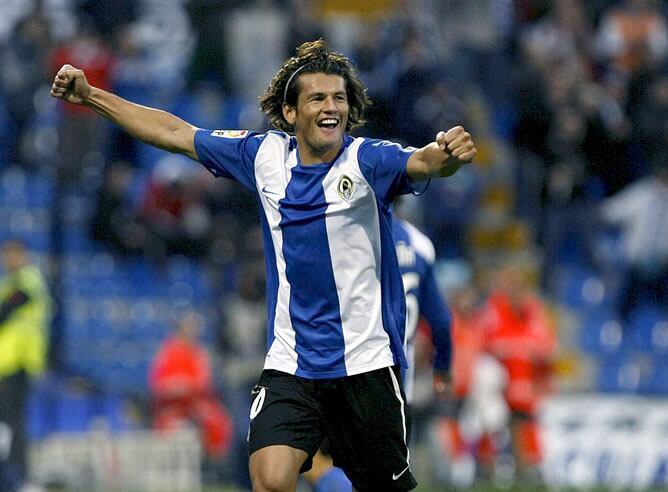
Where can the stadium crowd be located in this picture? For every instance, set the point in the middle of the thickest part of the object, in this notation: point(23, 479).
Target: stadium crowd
point(568, 102)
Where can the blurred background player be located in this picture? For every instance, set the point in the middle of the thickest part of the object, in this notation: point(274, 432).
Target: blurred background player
point(183, 391)
point(24, 319)
point(520, 335)
point(463, 453)
point(640, 212)
point(416, 255)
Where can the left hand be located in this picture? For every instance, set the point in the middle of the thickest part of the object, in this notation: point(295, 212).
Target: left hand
point(442, 157)
point(442, 384)
point(458, 146)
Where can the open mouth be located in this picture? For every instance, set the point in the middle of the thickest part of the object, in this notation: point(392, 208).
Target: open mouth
point(329, 123)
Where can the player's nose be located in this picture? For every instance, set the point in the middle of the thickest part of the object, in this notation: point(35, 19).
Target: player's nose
point(329, 104)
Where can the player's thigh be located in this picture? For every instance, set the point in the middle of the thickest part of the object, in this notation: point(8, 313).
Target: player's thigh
point(284, 412)
point(276, 467)
point(368, 431)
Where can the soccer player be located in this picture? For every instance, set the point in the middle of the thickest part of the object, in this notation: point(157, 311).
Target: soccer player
point(415, 253)
point(336, 307)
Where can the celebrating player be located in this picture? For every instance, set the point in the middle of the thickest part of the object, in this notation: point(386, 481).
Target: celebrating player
point(336, 307)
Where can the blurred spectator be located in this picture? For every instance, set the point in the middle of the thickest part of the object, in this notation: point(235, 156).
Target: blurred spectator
point(182, 388)
point(104, 14)
point(650, 114)
point(607, 141)
point(243, 338)
point(305, 25)
point(416, 76)
point(81, 132)
point(114, 218)
point(633, 35)
point(641, 212)
point(24, 70)
point(175, 211)
point(242, 341)
point(563, 32)
point(24, 319)
point(448, 211)
point(132, 74)
point(520, 335)
point(210, 59)
point(467, 341)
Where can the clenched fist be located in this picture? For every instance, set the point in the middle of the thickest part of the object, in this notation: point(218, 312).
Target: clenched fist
point(70, 84)
point(457, 143)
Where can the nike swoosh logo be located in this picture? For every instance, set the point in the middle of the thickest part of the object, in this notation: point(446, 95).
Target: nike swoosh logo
point(265, 190)
point(395, 476)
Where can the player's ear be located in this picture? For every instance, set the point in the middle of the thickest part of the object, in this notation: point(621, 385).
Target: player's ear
point(289, 113)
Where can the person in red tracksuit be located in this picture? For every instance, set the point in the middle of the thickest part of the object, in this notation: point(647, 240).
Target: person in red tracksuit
point(180, 379)
point(520, 335)
point(468, 343)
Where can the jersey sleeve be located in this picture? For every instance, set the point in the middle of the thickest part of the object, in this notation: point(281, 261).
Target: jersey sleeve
point(383, 164)
point(229, 153)
point(435, 310)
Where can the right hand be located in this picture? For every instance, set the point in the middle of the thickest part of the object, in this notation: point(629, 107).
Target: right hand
point(70, 84)
point(442, 384)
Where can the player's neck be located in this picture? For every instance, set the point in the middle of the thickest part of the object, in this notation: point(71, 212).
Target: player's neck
point(309, 156)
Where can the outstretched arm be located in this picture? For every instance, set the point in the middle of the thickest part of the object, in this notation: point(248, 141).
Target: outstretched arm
point(443, 157)
point(152, 126)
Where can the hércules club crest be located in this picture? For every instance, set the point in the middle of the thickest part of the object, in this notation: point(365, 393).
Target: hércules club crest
point(346, 187)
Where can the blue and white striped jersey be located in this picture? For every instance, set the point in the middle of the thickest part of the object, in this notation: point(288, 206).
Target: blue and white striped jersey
point(334, 291)
point(416, 260)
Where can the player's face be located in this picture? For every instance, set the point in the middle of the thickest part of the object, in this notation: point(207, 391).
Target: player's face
point(320, 117)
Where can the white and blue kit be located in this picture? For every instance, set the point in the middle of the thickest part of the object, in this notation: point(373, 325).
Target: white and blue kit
point(415, 252)
point(334, 290)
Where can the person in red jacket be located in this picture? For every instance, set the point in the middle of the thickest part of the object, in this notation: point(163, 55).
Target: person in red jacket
point(467, 343)
point(520, 335)
point(180, 380)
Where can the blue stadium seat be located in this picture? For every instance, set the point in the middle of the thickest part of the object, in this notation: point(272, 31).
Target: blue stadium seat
point(602, 332)
point(55, 407)
point(581, 288)
point(648, 329)
point(41, 188)
point(13, 192)
point(658, 384)
point(624, 374)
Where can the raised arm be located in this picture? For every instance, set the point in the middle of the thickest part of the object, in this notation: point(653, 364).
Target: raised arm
point(152, 126)
point(443, 157)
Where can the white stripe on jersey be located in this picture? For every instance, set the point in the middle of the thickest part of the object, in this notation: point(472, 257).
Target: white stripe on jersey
point(350, 226)
point(271, 183)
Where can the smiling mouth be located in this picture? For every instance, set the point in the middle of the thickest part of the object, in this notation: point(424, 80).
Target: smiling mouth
point(329, 123)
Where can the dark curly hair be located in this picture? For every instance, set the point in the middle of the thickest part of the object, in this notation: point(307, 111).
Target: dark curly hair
point(313, 57)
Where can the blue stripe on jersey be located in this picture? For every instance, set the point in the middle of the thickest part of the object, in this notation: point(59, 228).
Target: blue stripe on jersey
point(231, 157)
point(383, 165)
point(392, 288)
point(314, 303)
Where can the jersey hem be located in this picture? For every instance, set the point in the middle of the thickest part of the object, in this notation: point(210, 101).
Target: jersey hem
point(334, 374)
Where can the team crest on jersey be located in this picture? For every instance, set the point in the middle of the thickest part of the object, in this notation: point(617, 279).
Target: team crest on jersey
point(346, 187)
point(229, 133)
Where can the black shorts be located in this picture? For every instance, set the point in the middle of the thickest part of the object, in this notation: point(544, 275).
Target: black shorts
point(363, 417)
